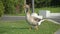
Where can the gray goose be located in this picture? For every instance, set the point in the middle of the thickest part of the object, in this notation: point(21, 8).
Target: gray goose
point(33, 18)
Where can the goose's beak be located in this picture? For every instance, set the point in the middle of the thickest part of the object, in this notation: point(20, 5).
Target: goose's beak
point(24, 7)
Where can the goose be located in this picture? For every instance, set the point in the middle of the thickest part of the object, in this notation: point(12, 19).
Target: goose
point(33, 18)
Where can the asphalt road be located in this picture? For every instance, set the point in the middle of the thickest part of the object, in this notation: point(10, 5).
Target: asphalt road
point(12, 18)
point(16, 18)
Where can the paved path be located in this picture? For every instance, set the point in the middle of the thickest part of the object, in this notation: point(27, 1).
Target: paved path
point(12, 18)
point(55, 18)
point(57, 32)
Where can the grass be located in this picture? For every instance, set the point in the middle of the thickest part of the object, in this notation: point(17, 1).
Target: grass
point(53, 10)
point(22, 14)
point(21, 27)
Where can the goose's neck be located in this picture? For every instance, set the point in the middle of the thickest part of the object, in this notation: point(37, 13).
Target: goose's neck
point(28, 12)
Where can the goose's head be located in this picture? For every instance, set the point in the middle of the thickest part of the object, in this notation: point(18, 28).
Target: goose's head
point(27, 8)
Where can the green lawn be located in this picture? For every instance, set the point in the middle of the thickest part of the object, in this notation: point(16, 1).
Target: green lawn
point(22, 14)
point(21, 27)
point(53, 10)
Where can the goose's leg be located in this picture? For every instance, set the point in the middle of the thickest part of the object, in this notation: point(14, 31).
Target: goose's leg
point(36, 27)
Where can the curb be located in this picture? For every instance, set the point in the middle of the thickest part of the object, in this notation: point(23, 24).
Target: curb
point(57, 32)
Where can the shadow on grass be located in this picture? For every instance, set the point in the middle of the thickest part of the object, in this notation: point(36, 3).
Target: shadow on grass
point(14, 28)
point(7, 29)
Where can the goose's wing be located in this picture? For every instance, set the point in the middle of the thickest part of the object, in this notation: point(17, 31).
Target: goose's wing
point(35, 15)
point(37, 19)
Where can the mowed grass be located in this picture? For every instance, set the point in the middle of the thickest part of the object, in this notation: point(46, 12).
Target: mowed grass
point(22, 27)
point(53, 10)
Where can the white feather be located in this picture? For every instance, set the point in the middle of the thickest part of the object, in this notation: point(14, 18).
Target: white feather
point(36, 15)
point(40, 22)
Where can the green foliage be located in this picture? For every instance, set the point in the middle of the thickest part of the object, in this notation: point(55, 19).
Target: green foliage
point(13, 6)
point(9, 6)
point(55, 3)
point(47, 3)
point(42, 3)
point(1, 8)
point(21, 3)
point(16, 6)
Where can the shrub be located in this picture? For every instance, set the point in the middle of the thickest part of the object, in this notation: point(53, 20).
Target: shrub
point(13, 6)
point(1, 8)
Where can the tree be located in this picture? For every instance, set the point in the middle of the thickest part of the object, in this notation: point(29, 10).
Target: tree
point(9, 7)
point(13, 6)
